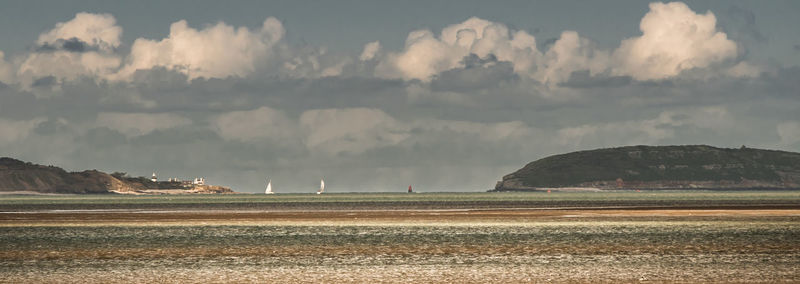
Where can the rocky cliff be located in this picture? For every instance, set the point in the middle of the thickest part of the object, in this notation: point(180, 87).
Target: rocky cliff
point(659, 167)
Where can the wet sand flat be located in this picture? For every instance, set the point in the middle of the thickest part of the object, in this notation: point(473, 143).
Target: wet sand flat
point(348, 217)
point(326, 242)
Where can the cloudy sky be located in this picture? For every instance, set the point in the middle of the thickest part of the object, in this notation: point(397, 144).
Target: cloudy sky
point(377, 95)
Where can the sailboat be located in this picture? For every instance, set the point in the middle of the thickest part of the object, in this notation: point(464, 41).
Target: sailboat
point(321, 187)
point(269, 188)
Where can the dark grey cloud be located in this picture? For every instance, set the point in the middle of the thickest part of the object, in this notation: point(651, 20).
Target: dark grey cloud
point(547, 43)
point(53, 127)
point(477, 74)
point(172, 92)
point(74, 45)
point(473, 60)
point(740, 25)
point(468, 152)
point(95, 138)
point(46, 81)
point(583, 79)
point(781, 84)
point(70, 45)
point(15, 104)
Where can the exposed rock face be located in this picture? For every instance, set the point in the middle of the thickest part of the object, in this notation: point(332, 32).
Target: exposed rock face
point(212, 189)
point(16, 175)
point(659, 167)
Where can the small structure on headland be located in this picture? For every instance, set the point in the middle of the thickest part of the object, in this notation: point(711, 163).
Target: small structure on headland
point(188, 182)
point(141, 185)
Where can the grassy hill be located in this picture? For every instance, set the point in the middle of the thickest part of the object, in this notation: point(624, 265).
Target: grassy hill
point(19, 176)
point(694, 166)
point(16, 175)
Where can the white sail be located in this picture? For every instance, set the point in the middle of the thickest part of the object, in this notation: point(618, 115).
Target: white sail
point(321, 187)
point(269, 188)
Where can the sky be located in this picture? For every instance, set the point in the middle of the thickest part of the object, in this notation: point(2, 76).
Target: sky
point(379, 95)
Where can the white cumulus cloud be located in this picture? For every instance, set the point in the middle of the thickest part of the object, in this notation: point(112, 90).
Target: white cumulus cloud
point(314, 62)
point(570, 53)
point(425, 55)
point(65, 65)
point(216, 51)
point(370, 50)
point(98, 30)
point(93, 39)
point(674, 38)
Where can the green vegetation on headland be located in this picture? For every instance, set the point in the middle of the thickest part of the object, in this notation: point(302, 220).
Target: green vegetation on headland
point(16, 176)
point(660, 167)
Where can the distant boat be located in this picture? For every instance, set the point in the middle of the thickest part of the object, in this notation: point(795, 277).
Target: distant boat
point(269, 188)
point(321, 187)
